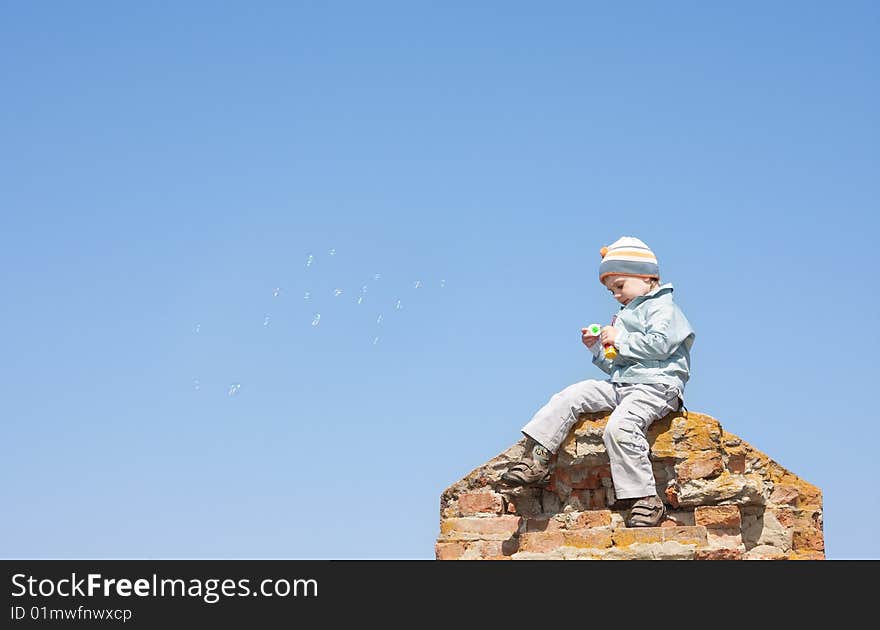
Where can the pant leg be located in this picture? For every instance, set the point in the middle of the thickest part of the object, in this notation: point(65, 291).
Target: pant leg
point(626, 434)
point(552, 422)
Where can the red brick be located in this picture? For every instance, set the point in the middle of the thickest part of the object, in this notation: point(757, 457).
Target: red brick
point(592, 518)
point(579, 477)
point(785, 516)
point(718, 516)
point(784, 495)
point(700, 467)
point(736, 464)
point(496, 549)
point(449, 550)
point(480, 502)
point(541, 542)
point(671, 493)
point(506, 524)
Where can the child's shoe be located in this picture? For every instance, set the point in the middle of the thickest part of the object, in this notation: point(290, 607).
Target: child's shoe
point(533, 469)
point(646, 512)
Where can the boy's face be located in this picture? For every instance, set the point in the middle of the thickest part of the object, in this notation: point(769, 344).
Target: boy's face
point(625, 288)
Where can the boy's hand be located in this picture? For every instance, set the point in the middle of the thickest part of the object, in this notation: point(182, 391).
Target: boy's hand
point(587, 338)
point(608, 335)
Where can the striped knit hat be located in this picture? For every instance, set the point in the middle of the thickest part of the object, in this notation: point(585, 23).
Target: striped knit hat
point(628, 256)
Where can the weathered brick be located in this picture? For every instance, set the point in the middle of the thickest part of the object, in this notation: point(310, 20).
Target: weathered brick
point(685, 535)
point(724, 538)
point(672, 496)
point(808, 540)
point(718, 516)
point(697, 432)
point(480, 502)
point(765, 552)
point(700, 467)
point(785, 516)
point(496, 549)
point(721, 509)
point(493, 526)
point(678, 519)
point(660, 437)
point(592, 518)
point(736, 463)
point(767, 527)
point(541, 542)
point(625, 536)
point(784, 494)
point(556, 554)
point(806, 555)
point(718, 554)
point(579, 477)
point(476, 550)
point(599, 538)
point(449, 550)
point(809, 495)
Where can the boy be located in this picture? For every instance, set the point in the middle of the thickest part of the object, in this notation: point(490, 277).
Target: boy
point(653, 340)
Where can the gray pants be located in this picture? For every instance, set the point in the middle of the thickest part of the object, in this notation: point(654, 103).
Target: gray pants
point(635, 406)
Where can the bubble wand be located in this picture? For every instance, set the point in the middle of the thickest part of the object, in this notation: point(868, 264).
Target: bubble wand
point(595, 330)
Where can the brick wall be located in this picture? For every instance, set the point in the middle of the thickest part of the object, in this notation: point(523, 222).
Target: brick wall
point(725, 501)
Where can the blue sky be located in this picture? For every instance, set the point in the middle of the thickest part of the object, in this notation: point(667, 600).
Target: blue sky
point(166, 166)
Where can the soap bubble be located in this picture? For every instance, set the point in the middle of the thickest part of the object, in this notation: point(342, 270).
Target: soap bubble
point(266, 321)
point(442, 283)
point(276, 291)
point(337, 292)
point(375, 340)
point(309, 260)
point(198, 328)
point(233, 389)
point(379, 319)
point(317, 319)
point(398, 306)
point(333, 252)
point(417, 284)
point(307, 296)
point(196, 384)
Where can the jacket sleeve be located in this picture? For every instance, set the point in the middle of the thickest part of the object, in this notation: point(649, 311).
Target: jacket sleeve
point(667, 329)
point(599, 359)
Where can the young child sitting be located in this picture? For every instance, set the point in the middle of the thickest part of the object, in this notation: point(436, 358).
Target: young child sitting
point(653, 340)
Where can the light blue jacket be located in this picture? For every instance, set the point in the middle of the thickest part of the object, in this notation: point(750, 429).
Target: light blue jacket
point(653, 342)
